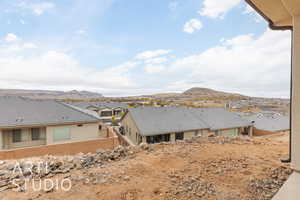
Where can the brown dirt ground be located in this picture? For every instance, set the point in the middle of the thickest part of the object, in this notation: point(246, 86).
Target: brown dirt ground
point(154, 175)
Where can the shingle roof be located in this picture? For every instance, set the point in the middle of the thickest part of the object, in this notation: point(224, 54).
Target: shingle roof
point(18, 111)
point(153, 120)
point(86, 111)
point(109, 105)
point(269, 122)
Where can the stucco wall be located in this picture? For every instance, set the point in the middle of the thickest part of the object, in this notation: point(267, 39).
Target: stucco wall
point(295, 103)
point(229, 132)
point(61, 149)
point(189, 134)
point(77, 133)
point(259, 132)
point(26, 139)
point(130, 126)
point(1, 140)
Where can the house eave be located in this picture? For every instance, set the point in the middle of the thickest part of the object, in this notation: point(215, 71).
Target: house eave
point(47, 124)
point(269, 20)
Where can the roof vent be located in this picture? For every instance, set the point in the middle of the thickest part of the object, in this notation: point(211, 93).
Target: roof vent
point(20, 119)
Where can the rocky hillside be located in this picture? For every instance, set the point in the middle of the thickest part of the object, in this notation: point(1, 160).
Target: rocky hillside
point(48, 94)
point(206, 92)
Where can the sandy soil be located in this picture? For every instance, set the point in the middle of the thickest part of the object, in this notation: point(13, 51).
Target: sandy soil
point(168, 172)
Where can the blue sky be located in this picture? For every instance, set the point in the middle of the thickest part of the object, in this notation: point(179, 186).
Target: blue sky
point(141, 47)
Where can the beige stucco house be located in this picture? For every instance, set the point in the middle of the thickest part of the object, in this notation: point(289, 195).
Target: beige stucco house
point(28, 123)
point(267, 123)
point(107, 111)
point(159, 124)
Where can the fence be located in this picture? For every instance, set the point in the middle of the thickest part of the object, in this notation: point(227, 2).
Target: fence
point(61, 149)
point(121, 139)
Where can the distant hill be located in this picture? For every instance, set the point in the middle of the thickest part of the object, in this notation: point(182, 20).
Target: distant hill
point(197, 91)
point(206, 92)
point(48, 94)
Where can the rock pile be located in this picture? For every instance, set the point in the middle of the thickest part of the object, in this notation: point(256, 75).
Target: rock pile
point(49, 166)
point(265, 189)
point(190, 187)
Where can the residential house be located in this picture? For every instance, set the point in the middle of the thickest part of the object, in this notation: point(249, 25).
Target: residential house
point(266, 123)
point(107, 111)
point(153, 124)
point(27, 123)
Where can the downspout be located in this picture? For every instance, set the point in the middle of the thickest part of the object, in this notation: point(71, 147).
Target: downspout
point(289, 159)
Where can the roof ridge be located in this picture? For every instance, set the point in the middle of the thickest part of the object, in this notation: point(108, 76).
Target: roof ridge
point(75, 108)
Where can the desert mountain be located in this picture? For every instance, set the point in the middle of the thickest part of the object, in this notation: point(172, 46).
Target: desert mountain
point(206, 92)
point(48, 94)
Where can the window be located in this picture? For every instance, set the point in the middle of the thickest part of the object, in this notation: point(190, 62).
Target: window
point(17, 133)
point(233, 133)
point(117, 112)
point(61, 133)
point(166, 138)
point(106, 120)
point(198, 133)
point(35, 134)
point(100, 127)
point(158, 138)
point(106, 113)
point(217, 133)
point(179, 136)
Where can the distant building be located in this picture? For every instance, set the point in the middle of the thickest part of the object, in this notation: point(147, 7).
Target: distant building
point(107, 111)
point(153, 125)
point(27, 123)
point(266, 123)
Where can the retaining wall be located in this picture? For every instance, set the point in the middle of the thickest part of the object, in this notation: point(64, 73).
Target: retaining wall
point(61, 149)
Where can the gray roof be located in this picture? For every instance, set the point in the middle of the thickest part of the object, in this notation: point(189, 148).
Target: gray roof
point(86, 111)
point(100, 105)
point(18, 111)
point(269, 122)
point(154, 120)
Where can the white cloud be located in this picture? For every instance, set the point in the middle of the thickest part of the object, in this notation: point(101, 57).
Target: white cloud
point(152, 69)
point(151, 54)
point(248, 10)
point(10, 37)
point(253, 66)
point(30, 46)
point(156, 60)
point(240, 40)
point(25, 65)
point(36, 8)
point(217, 8)
point(192, 26)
